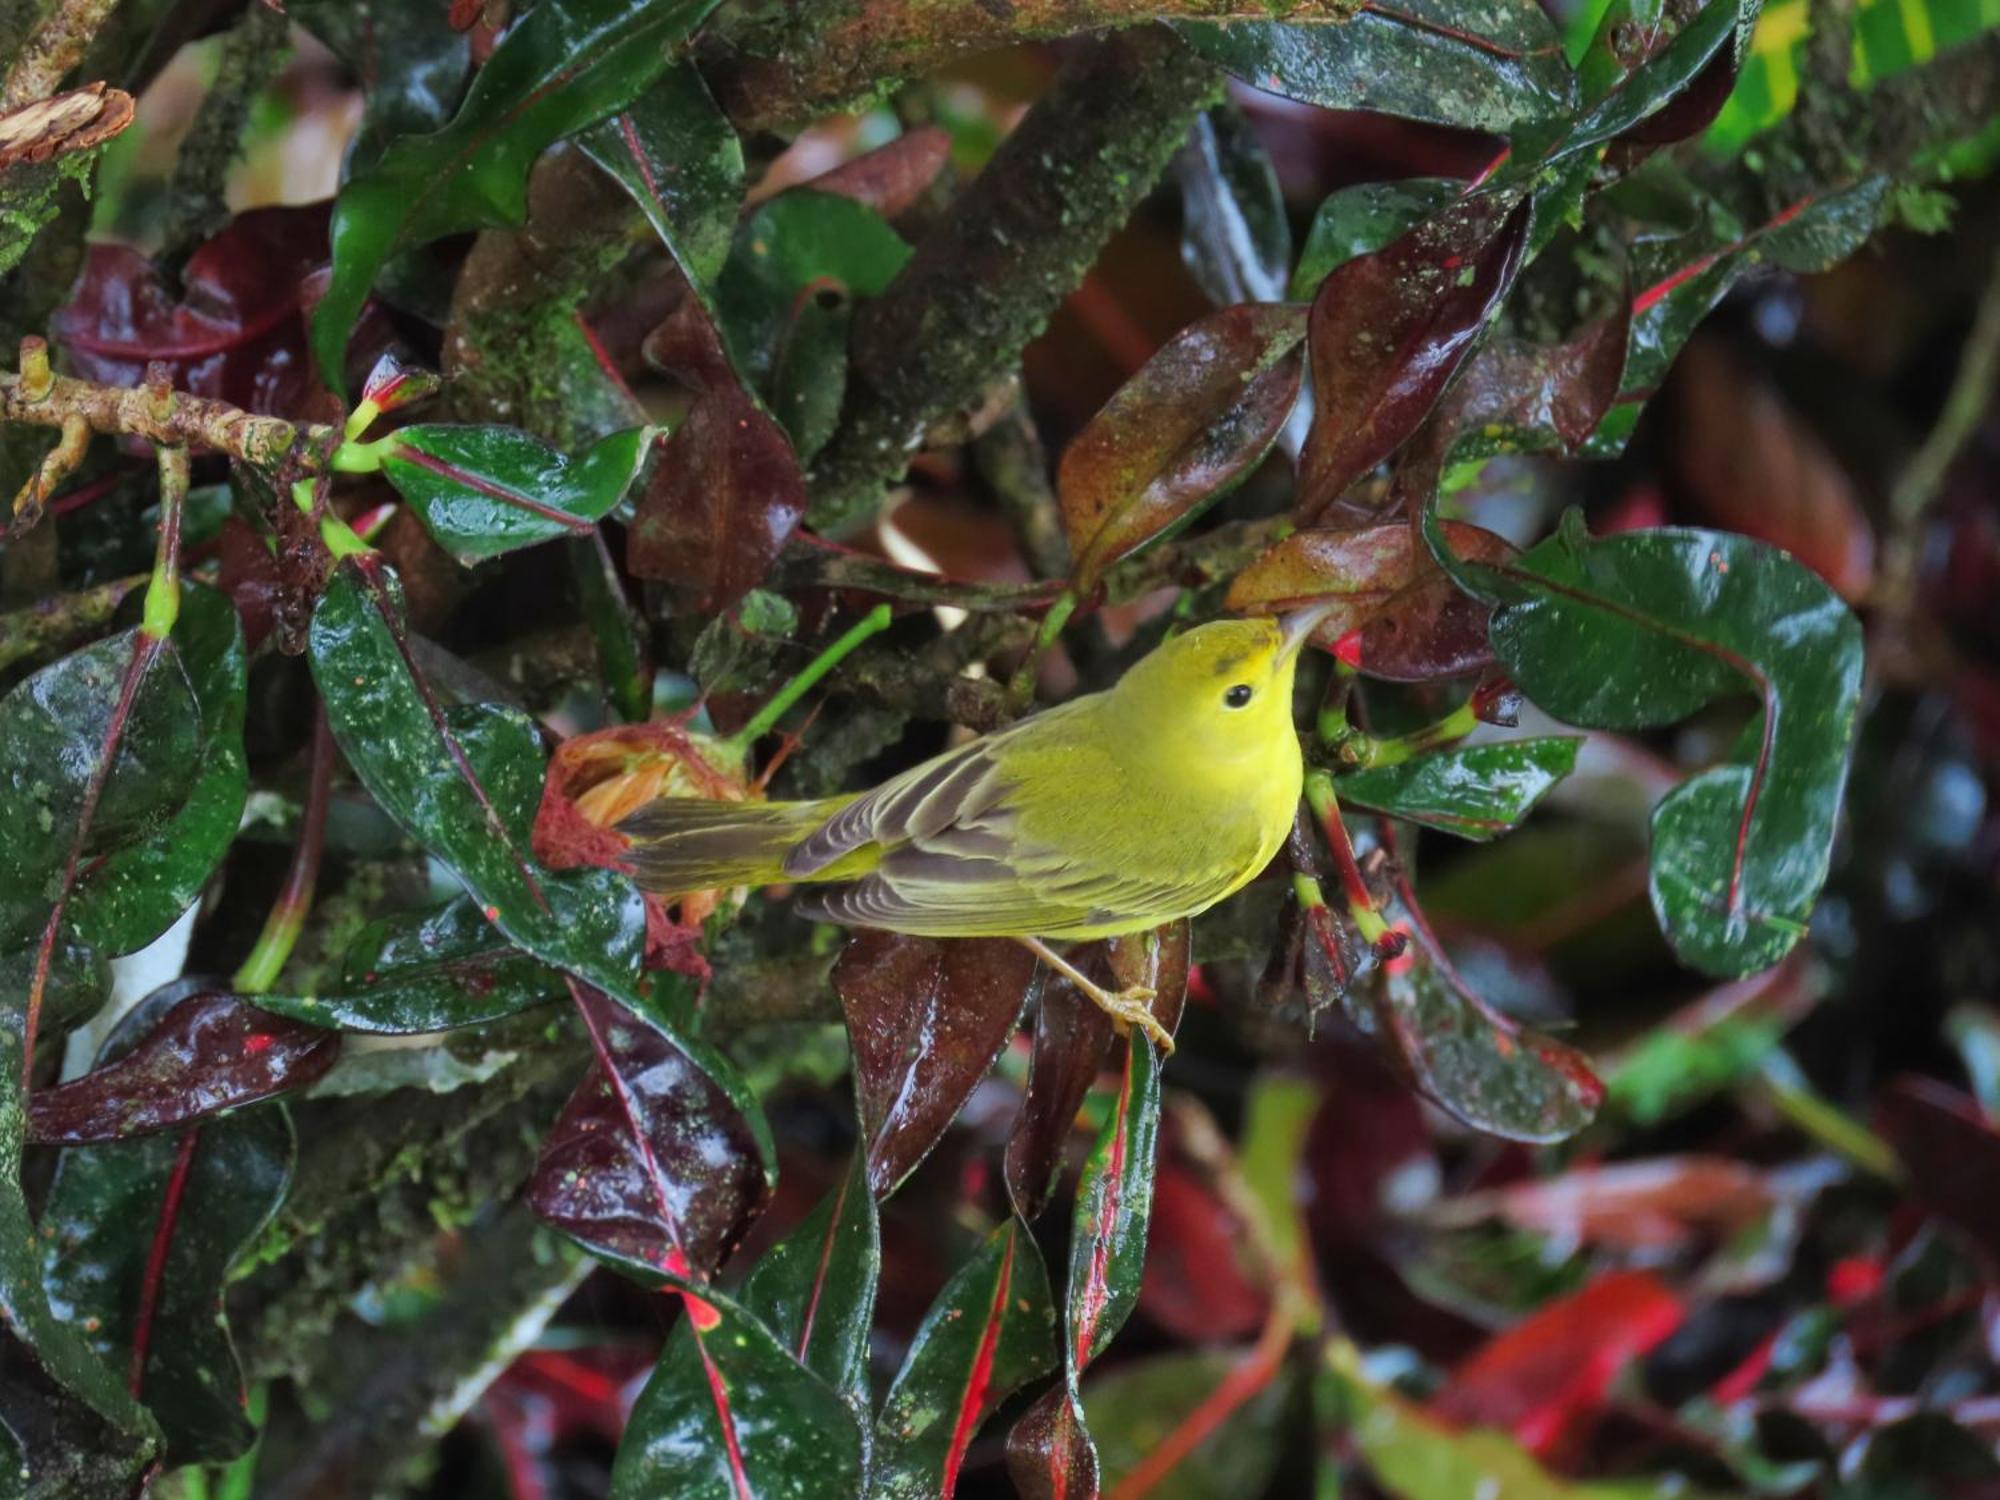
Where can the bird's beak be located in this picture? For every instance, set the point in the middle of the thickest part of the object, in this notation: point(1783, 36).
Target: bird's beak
point(1296, 628)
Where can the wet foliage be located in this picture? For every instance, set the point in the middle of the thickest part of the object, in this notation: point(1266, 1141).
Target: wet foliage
point(441, 434)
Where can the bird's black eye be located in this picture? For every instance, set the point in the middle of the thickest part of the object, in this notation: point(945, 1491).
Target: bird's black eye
point(1237, 696)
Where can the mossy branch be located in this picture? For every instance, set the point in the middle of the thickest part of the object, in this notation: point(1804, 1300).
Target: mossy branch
point(987, 280)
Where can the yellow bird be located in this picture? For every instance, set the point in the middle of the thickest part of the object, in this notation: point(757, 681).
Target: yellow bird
point(1112, 813)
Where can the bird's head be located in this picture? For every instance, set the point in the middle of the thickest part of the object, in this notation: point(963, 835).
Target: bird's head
point(1221, 690)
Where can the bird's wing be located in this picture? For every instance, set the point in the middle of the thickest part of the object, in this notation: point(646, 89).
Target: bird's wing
point(957, 861)
point(961, 800)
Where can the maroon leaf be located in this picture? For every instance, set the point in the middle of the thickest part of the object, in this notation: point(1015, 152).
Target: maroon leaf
point(1193, 422)
point(1049, 1452)
point(209, 1053)
point(1390, 329)
point(1694, 108)
point(1523, 397)
point(1546, 1379)
point(1072, 1034)
point(1753, 465)
point(926, 1017)
point(236, 332)
point(249, 576)
point(651, 1163)
point(890, 178)
point(1400, 618)
point(1193, 1284)
point(725, 493)
point(1368, 1142)
point(1951, 1150)
point(1662, 1203)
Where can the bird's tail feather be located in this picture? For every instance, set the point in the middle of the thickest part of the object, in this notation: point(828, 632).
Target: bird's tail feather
point(684, 844)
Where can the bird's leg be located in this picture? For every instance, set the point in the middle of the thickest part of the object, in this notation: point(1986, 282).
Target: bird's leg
point(1131, 1006)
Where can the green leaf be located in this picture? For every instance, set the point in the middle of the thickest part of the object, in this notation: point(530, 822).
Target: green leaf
point(809, 379)
point(122, 1436)
point(106, 1208)
point(1474, 791)
point(416, 972)
point(1499, 70)
point(729, 1412)
point(990, 1331)
point(125, 900)
point(815, 1289)
point(1362, 219)
point(420, 765)
point(564, 65)
point(798, 240)
point(1639, 630)
point(52, 734)
point(678, 156)
point(1134, 1408)
point(483, 491)
point(1235, 237)
point(411, 63)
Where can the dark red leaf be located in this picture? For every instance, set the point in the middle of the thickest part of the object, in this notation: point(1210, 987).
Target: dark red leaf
point(725, 493)
point(1390, 329)
point(249, 576)
point(1662, 1203)
point(1194, 1285)
point(1545, 1379)
point(926, 1017)
point(1400, 617)
point(238, 330)
point(1951, 1150)
point(1072, 1034)
point(890, 178)
point(651, 1163)
point(1755, 467)
point(1534, 396)
point(1049, 1452)
point(211, 1052)
point(1193, 422)
point(1694, 108)
point(1367, 1139)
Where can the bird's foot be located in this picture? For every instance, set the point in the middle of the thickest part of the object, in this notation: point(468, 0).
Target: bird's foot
point(1133, 1006)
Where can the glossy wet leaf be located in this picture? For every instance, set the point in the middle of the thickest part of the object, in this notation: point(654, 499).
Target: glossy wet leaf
point(1645, 628)
point(88, 1396)
point(1413, 623)
point(1049, 1452)
point(809, 380)
point(725, 494)
point(990, 1331)
point(1192, 424)
point(926, 1018)
point(563, 65)
point(429, 770)
point(1520, 397)
point(798, 240)
point(131, 895)
point(483, 491)
point(1390, 329)
point(730, 1412)
point(1361, 219)
point(1235, 237)
point(1072, 1036)
point(52, 735)
point(893, 177)
point(815, 1289)
point(1136, 1406)
point(1546, 1379)
point(676, 153)
point(1474, 791)
point(1494, 67)
point(207, 1193)
point(1671, 91)
point(233, 329)
point(653, 1165)
point(210, 1052)
point(415, 972)
point(412, 64)
point(1950, 1148)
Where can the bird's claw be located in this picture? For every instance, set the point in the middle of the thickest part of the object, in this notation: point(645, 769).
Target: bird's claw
point(1133, 1006)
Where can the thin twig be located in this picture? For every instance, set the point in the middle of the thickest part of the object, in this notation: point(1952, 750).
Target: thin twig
point(53, 50)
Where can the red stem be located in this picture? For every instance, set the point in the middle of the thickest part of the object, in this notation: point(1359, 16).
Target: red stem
point(156, 1259)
